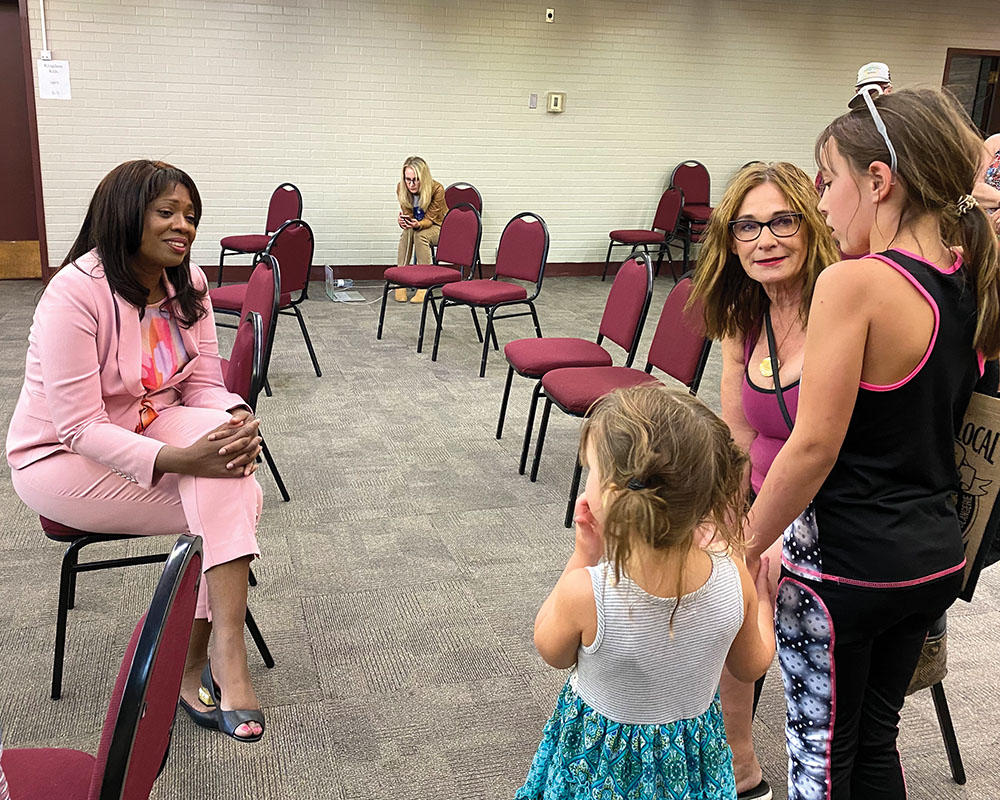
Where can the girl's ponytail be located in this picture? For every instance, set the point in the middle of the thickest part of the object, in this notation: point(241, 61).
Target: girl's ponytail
point(968, 226)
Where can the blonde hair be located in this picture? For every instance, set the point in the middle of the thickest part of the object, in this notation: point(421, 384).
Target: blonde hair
point(734, 302)
point(418, 165)
point(939, 159)
point(668, 465)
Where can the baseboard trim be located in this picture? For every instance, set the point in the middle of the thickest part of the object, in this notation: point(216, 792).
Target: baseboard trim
point(374, 272)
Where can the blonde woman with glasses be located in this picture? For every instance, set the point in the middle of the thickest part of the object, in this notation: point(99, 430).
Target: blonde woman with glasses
point(421, 211)
point(862, 490)
point(765, 246)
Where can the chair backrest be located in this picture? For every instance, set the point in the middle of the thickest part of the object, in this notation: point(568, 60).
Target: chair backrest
point(261, 296)
point(245, 374)
point(523, 249)
point(668, 212)
point(285, 204)
point(627, 305)
point(680, 347)
point(692, 178)
point(140, 717)
point(292, 245)
point(462, 192)
point(460, 237)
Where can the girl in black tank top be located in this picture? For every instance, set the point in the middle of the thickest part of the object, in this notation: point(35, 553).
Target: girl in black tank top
point(864, 488)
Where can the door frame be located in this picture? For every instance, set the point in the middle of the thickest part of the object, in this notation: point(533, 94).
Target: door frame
point(972, 51)
point(36, 163)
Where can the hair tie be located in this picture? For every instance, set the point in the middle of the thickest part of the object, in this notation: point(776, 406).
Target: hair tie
point(966, 203)
point(635, 484)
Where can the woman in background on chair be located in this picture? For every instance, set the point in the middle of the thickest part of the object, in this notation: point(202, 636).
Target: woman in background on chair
point(421, 212)
point(124, 425)
point(764, 248)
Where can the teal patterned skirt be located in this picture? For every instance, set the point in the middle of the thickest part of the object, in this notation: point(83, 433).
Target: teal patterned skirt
point(585, 756)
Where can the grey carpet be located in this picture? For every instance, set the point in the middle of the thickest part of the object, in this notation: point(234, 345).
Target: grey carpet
point(398, 587)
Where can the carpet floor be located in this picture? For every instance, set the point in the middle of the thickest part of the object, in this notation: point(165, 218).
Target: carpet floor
point(397, 589)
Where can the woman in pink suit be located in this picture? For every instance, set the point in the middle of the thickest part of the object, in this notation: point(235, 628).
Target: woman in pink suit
point(124, 425)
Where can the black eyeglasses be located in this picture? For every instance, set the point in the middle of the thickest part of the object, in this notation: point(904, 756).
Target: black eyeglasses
point(748, 230)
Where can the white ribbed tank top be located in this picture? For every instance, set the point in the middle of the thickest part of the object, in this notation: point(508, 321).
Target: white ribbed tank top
point(635, 672)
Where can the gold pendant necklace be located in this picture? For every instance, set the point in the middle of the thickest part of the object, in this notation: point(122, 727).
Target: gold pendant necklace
point(765, 367)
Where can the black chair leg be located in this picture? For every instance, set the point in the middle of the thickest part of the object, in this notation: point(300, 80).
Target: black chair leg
point(948, 734)
point(503, 403)
point(274, 471)
point(475, 321)
point(73, 558)
point(309, 344)
point(486, 341)
point(574, 489)
point(222, 257)
point(437, 330)
point(534, 318)
point(258, 640)
point(66, 576)
point(267, 388)
point(381, 313)
point(428, 300)
point(251, 578)
point(607, 262)
point(541, 439)
point(535, 393)
point(687, 246)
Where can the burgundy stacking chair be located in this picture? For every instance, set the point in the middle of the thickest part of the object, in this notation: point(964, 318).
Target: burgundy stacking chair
point(136, 736)
point(624, 315)
point(521, 255)
point(679, 348)
point(692, 178)
point(285, 204)
point(292, 246)
point(262, 293)
point(456, 257)
point(245, 376)
point(462, 192)
point(661, 234)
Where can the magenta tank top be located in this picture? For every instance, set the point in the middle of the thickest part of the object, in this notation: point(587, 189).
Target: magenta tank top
point(761, 409)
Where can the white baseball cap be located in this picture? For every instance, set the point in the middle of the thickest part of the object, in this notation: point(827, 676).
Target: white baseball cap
point(873, 72)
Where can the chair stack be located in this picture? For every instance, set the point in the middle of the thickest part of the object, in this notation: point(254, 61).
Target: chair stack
point(692, 178)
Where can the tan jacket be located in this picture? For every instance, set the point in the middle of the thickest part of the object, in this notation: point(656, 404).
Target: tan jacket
point(438, 208)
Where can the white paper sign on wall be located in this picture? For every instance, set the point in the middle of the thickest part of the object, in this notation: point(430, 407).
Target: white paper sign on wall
point(53, 80)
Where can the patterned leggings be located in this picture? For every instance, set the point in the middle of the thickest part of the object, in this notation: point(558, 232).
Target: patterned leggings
point(847, 655)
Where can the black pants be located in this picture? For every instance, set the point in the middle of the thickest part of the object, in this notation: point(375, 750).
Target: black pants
point(847, 656)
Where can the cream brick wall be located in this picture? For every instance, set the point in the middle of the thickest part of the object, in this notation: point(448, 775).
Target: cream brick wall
point(332, 95)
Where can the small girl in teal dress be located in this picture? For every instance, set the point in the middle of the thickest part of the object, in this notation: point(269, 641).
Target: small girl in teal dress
point(651, 605)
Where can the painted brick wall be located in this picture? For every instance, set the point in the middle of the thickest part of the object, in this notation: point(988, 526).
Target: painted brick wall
point(333, 95)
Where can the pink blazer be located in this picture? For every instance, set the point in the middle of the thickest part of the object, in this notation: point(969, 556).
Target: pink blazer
point(82, 389)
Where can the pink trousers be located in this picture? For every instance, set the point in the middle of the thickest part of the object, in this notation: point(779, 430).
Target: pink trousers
point(86, 495)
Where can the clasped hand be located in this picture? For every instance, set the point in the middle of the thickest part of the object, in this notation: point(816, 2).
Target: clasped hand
point(229, 451)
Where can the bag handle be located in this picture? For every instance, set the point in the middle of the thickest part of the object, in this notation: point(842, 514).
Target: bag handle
point(772, 354)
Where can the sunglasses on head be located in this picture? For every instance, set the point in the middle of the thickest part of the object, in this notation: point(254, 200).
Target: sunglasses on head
point(867, 95)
